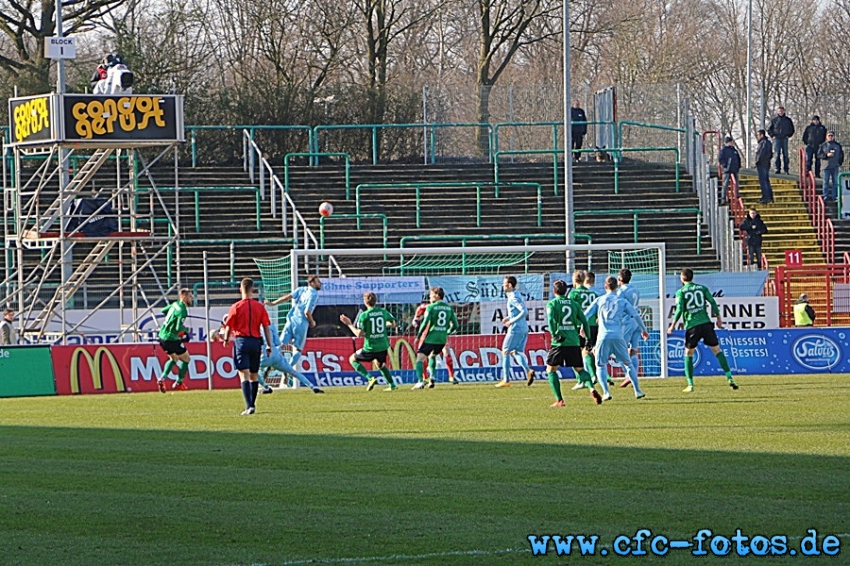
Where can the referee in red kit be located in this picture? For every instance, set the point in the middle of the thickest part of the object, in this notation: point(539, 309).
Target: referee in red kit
point(245, 320)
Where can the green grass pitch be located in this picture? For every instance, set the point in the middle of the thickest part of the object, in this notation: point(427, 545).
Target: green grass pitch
point(455, 475)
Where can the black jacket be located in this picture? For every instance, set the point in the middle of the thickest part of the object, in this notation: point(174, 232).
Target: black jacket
point(781, 127)
point(814, 135)
point(578, 115)
point(754, 227)
point(837, 159)
point(729, 159)
point(764, 153)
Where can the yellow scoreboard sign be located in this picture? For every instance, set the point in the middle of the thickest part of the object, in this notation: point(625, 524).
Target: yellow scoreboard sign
point(32, 119)
point(82, 119)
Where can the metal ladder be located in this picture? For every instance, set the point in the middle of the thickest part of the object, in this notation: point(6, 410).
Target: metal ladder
point(74, 188)
point(69, 287)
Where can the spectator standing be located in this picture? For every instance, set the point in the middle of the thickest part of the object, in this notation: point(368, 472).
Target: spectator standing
point(7, 331)
point(804, 314)
point(814, 136)
point(578, 128)
point(833, 154)
point(730, 161)
point(764, 152)
point(781, 128)
point(246, 319)
point(755, 227)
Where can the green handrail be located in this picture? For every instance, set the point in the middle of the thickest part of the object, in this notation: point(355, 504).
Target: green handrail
point(620, 150)
point(553, 125)
point(198, 190)
point(553, 152)
point(193, 133)
point(637, 211)
point(478, 237)
point(375, 127)
point(838, 190)
point(323, 219)
point(312, 154)
point(419, 186)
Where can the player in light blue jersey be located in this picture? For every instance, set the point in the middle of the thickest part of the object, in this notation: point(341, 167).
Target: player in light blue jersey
point(612, 312)
point(516, 337)
point(276, 360)
point(300, 317)
point(631, 331)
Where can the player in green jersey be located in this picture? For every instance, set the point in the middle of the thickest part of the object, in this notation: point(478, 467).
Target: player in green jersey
point(584, 294)
point(437, 323)
point(566, 319)
point(691, 302)
point(172, 335)
point(373, 325)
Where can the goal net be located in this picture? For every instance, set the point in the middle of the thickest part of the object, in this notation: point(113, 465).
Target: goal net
point(471, 278)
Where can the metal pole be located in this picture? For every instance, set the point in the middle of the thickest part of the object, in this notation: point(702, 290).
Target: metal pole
point(569, 229)
point(749, 119)
point(207, 321)
point(60, 63)
point(425, 122)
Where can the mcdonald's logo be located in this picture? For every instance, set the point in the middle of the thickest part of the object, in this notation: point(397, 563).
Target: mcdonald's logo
point(95, 363)
point(395, 353)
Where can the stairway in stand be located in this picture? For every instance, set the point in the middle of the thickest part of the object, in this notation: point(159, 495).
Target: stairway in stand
point(788, 222)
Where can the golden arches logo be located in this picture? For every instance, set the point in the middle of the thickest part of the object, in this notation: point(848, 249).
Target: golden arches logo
point(95, 363)
point(396, 350)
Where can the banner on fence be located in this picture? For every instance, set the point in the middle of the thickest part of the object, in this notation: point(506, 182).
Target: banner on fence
point(390, 290)
point(482, 288)
point(26, 371)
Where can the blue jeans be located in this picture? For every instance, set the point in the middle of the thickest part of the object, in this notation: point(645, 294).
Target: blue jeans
point(812, 155)
point(764, 182)
point(780, 148)
point(830, 183)
point(726, 180)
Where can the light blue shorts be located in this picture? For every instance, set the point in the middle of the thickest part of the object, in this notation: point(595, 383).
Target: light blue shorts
point(611, 346)
point(294, 335)
point(515, 341)
point(632, 335)
point(275, 361)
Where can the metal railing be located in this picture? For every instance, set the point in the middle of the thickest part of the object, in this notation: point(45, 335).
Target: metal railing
point(429, 143)
point(817, 208)
point(193, 138)
point(312, 154)
point(287, 205)
point(635, 212)
point(358, 216)
point(526, 238)
point(235, 189)
point(418, 195)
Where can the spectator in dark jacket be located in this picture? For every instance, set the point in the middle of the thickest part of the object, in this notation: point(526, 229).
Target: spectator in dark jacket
point(730, 161)
point(781, 128)
point(754, 226)
point(813, 136)
point(578, 128)
point(764, 152)
point(833, 153)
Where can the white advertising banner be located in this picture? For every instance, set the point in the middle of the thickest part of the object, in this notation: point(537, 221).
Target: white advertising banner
point(104, 326)
point(741, 313)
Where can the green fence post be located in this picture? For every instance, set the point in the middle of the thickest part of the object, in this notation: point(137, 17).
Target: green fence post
point(194, 143)
point(478, 205)
point(418, 208)
point(539, 206)
point(635, 216)
point(259, 210)
point(374, 145)
point(197, 212)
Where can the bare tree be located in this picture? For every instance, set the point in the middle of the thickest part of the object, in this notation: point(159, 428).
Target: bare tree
point(26, 23)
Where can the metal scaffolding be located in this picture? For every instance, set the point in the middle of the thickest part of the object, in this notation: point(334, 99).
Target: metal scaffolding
point(61, 147)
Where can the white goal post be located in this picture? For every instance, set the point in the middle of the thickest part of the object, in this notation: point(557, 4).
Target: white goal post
point(462, 270)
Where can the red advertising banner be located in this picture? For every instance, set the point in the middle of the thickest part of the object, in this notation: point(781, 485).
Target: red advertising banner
point(118, 368)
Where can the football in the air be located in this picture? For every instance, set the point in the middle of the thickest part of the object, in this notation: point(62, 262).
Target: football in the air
point(326, 209)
